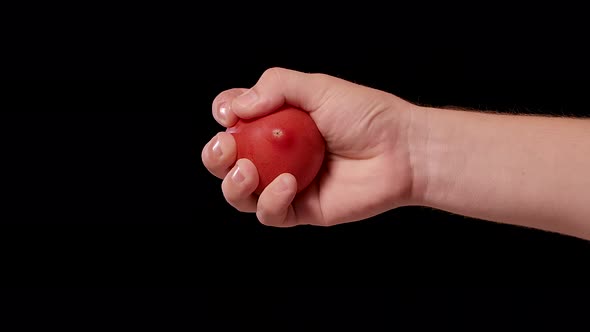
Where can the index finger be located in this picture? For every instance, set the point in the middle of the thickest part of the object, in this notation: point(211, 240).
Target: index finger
point(278, 86)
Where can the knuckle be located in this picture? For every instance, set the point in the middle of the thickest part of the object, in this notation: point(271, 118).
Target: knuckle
point(319, 76)
point(273, 70)
point(273, 73)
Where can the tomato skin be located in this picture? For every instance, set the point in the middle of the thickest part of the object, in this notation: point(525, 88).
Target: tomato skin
point(285, 141)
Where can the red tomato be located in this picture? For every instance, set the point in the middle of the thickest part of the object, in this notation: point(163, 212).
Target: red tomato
point(285, 141)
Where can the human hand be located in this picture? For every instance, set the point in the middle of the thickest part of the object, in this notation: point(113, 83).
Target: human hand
point(367, 163)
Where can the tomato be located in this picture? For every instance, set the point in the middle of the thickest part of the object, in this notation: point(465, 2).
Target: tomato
point(285, 141)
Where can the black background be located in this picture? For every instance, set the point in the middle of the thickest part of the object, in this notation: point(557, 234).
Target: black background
point(106, 199)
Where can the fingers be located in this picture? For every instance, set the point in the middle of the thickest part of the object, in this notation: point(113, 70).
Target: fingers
point(221, 107)
point(239, 184)
point(277, 86)
point(274, 204)
point(219, 154)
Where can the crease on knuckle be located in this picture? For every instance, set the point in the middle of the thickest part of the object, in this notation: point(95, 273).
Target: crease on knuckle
point(273, 76)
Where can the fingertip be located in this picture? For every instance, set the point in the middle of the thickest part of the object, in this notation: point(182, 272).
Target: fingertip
point(219, 154)
point(249, 166)
point(284, 183)
point(222, 107)
point(224, 115)
point(239, 184)
point(274, 204)
point(244, 169)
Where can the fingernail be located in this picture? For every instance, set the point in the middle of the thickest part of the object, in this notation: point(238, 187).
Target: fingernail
point(281, 186)
point(237, 176)
point(217, 147)
point(247, 98)
point(222, 113)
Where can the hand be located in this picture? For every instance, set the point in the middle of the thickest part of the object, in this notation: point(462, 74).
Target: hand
point(368, 169)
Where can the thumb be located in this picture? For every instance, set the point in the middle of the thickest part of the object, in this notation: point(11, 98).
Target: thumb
point(278, 86)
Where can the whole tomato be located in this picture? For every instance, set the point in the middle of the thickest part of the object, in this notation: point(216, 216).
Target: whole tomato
point(285, 141)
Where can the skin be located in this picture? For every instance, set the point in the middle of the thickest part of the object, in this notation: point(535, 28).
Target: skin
point(384, 152)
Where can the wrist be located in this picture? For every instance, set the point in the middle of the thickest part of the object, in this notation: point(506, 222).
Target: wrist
point(418, 135)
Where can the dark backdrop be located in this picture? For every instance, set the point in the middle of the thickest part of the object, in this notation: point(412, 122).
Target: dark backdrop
point(103, 184)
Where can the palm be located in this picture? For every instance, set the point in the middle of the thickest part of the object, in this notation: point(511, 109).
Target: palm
point(366, 168)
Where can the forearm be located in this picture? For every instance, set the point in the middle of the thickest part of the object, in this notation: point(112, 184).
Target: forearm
point(530, 171)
